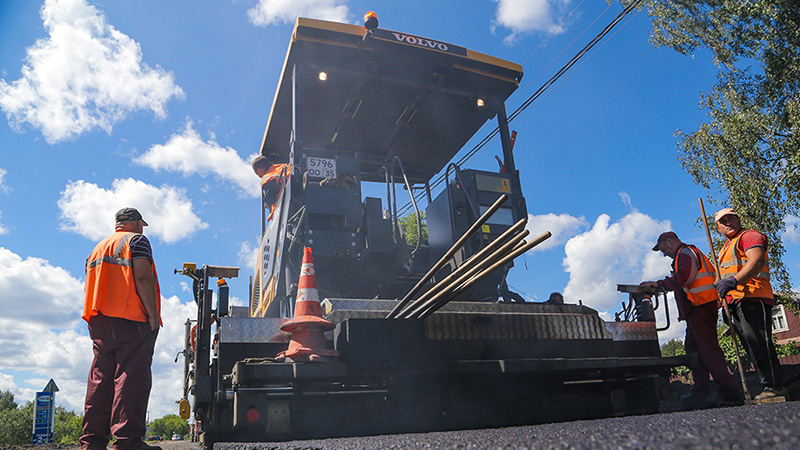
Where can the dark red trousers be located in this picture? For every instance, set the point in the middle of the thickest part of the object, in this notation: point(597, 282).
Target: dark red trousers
point(701, 338)
point(119, 383)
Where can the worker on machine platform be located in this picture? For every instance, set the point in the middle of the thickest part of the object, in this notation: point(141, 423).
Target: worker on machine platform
point(692, 281)
point(273, 178)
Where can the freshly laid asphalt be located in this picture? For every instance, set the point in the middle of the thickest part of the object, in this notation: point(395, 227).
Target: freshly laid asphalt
point(767, 426)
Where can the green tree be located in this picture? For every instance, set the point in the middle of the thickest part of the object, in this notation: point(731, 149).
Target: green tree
point(169, 425)
point(748, 151)
point(408, 225)
point(68, 426)
point(674, 348)
point(7, 401)
point(16, 425)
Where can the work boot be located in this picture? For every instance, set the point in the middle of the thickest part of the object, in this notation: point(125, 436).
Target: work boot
point(770, 393)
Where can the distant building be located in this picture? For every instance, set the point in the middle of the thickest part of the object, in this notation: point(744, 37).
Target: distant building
point(785, 325)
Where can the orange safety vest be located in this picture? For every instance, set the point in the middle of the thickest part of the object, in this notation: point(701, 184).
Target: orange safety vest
point(279, 172)
point(110, 286)
point(732, 259)
point(701, 290)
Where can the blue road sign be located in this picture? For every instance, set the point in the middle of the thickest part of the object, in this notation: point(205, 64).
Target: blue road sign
point(43, 416)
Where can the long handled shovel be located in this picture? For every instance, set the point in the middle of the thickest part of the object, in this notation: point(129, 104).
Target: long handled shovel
point(748, 400)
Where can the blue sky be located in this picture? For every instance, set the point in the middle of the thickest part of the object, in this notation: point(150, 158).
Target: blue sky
point(161, 105)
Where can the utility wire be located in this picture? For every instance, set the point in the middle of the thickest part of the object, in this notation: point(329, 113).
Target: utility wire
point(536, 94)
point(553, 60)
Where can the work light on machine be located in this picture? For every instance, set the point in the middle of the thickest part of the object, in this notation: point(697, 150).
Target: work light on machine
point(479, 103)
point(370, 20)
point(323, 76)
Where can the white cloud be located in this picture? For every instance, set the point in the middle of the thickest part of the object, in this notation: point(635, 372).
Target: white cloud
point(188, 154)
point(167, 374)
point(41, 307)
point(610, 254)
point(562, 227)
point(88, 209)
point(792, 231)
point(3, 188)
point(268, 12)
point(57, 293)
point(248, 255)
point(86, 75)
point(47, 338)
point(525, 16)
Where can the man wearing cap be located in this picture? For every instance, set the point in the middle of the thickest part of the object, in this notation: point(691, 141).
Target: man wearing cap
point(744, 284)
point(692, 282)
point(122, 306)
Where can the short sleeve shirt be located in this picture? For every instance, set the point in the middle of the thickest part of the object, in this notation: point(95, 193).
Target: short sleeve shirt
point(140, 247)
point(752, 238)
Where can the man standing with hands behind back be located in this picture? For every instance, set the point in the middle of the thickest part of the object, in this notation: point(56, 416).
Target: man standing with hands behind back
point(122, 307)
point(692, 282)
point(744, 280)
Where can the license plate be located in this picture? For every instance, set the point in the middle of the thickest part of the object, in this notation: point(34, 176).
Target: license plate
point(321, 167)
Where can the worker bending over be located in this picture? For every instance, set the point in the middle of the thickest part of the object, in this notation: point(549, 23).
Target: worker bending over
point(744, 283)
point(692, 281)
point(273, 179)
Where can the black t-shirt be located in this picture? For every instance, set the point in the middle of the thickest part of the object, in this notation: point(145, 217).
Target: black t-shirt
point(140, 247)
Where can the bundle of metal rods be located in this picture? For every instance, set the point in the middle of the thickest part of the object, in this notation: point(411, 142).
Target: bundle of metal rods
point(495, 255)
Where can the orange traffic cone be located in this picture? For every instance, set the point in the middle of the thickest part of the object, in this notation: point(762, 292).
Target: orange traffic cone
point(307, 326)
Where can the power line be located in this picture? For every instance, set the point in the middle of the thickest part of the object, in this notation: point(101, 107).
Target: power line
point(535, 95)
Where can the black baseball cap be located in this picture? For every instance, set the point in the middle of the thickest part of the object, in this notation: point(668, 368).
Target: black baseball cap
point(127, 214)
point(663, 237)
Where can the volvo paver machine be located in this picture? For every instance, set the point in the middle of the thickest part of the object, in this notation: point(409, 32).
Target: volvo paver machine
point(366, 118)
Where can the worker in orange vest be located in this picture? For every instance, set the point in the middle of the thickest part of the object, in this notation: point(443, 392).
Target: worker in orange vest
point(744, 284)
point(692, 281)
point(273, 178)
point(122, 305)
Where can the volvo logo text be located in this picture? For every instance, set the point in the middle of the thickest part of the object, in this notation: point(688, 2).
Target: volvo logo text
point(414, 40)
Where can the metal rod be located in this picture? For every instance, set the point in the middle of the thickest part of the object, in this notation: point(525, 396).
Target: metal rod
point(464, 266)
point(747, 398)
point(486, 272)
point(465, 272)
point(477, 259)
point(460, 243)
point(502, 262)
point(477, 274)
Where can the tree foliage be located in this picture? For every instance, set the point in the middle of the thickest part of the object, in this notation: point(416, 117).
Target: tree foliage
point(408, 225)
point(674, 348)
point(169, 425)
point(16, 423)
point(68, 426)
point(748, 151)
point(7, 401)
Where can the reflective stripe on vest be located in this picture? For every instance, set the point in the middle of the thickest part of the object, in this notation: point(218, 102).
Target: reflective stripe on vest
point(732, 259)
point(110, 285)
point(701, 290)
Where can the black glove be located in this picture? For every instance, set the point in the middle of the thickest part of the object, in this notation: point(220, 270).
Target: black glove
point(725, 285)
